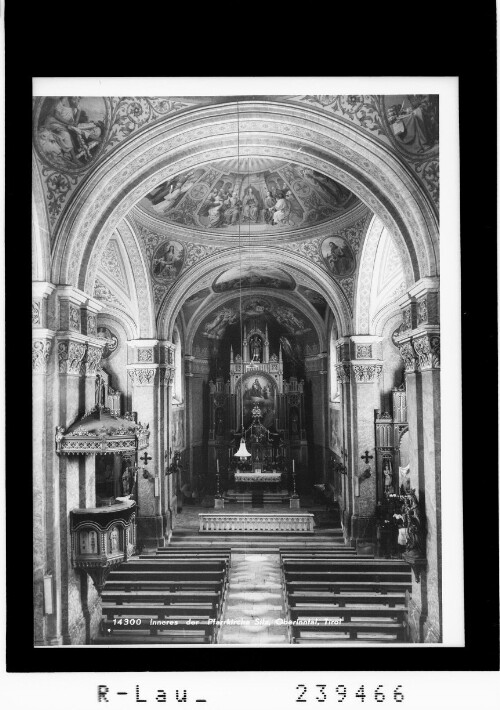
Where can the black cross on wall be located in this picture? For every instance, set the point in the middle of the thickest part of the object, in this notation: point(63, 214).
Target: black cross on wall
point(366, 457)
point(146, 458)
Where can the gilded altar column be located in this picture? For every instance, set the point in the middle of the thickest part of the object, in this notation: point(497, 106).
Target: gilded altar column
point(41, 349)
point(365, 368)
point(418, 340)
point(144, 375)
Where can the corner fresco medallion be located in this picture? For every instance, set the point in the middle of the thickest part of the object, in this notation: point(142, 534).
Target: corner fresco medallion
point(412, 123)
point(168, 260)
point(70, 131)
point(338, 256)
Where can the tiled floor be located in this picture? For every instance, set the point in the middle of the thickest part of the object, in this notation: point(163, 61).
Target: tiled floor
point(257, 611)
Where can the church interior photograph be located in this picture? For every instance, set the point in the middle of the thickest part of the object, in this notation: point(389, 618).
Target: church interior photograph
point(236, 370)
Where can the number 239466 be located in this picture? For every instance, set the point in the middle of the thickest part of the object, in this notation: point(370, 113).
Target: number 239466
point(339, 693)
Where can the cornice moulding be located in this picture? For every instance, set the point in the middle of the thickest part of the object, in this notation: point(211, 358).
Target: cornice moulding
point(40, 289)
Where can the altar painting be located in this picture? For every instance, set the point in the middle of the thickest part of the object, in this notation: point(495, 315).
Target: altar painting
point(259, 390)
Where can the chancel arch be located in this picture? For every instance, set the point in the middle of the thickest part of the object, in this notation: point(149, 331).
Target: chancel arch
point(304, 271)
point(339, 150)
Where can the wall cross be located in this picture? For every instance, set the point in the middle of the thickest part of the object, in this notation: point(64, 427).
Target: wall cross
point(146, 458)
point(366, 457)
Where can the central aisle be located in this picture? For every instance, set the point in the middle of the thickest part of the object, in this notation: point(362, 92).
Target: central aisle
point(259, 573)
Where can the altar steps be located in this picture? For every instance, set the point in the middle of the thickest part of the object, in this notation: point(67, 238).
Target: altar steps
point(267, 497)
point(186, 540)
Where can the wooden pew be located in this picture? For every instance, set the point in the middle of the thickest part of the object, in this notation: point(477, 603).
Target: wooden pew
point(182, 589)
point(180, 565)
point(320, 564)
point(349, 631)
point(368, 598)
point(343, 585)
point(347, 613)
point(318, 588)
point(177, 628)
point(160, 597)
point(160, 575)
point(175, 585)
point(157, 611)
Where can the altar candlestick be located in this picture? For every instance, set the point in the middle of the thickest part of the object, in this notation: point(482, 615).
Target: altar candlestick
point(217, 465)
point(293, 465)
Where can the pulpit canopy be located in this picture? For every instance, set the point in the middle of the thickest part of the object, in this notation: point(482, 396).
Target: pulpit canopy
point(99, 431)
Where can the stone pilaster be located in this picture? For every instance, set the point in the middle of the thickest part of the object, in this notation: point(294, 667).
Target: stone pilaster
point(365, 372)
point(144, 375)
point(77, 354)
point(166, 375)
point(419, 344)
point(42, 344)
point(343, 368)
point(316, 367)
point(196, 372)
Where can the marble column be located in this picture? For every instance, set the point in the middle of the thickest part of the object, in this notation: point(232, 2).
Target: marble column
point(144, 373)
point(418, 339)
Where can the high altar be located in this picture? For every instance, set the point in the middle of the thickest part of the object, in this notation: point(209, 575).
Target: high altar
point(273, 415)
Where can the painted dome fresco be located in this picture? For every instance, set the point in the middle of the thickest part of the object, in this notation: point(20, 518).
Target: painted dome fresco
point(267, 195)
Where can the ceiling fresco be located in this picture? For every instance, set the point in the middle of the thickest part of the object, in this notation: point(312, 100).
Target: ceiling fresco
point(253, 276)
point(260, 194)
point(72, 133)
point(268, 310)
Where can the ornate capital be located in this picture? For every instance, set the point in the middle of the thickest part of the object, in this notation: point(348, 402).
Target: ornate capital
point(343, 373)
point(367, 373)
point(70, 354)
point(92, 359)
point(409, 356)
point(427, 348)
point(167, 353)
point(142, 375)
point(40, 351)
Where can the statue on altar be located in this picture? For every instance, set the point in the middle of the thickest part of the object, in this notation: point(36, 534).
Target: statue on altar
point(255, 348)
point(126, 480)
point(388, 487)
